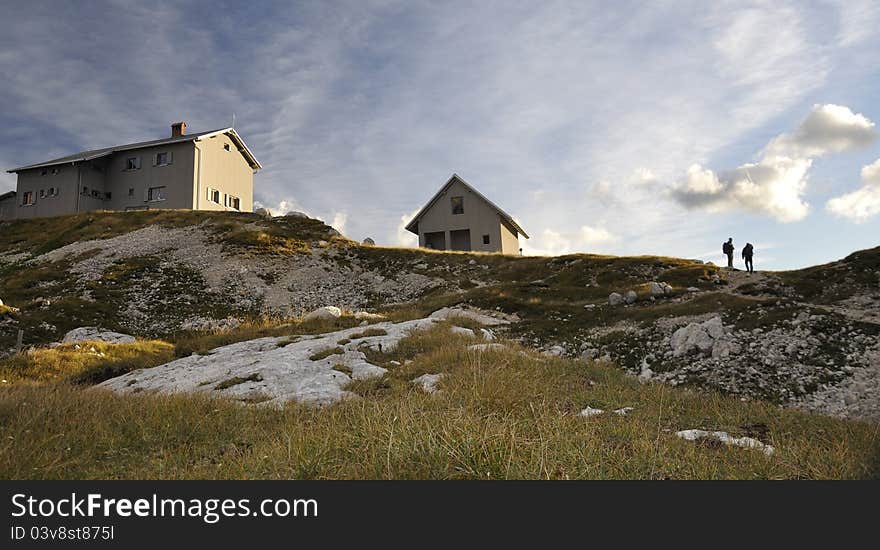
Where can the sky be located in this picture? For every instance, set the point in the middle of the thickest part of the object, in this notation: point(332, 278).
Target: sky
point(614, 128)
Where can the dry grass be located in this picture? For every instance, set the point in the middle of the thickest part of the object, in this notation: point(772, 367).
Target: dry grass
point(84, 362)
point(505, 414)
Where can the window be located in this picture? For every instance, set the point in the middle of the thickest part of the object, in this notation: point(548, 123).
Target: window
point(233, 202)
point(85, 190)
point(458, 205)
point(27, 199)
point(132, 163)
point(485, 239)
point(56, 171)
point(108, 195)
point(53, 192)
point(213, 195)
point(226, 146)
point(156, 194)
point(131, 191)
point(43, 172)
point(163, 159)
point(96, 193)
point(42, 193)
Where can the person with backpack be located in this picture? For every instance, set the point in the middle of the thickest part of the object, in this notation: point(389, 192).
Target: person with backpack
point(727, 249)
point(747, 253)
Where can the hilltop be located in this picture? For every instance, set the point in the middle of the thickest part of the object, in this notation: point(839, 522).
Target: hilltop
point(188, 283)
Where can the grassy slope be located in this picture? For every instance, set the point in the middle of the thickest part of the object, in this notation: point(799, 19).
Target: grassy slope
point(506, 415)
point(499, 415)
point(23, 286)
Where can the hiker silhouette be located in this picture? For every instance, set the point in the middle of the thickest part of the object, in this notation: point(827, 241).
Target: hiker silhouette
point(747, 253)
point(727, 249)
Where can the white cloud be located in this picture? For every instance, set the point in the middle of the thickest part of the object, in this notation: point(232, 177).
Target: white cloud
point(339, 220)
point(827, 129)
point(553, 243)
point(777, 183)
point(402, 237)
point(283, 207)
point(595, 235)
point(863, 203)
point(774, 186)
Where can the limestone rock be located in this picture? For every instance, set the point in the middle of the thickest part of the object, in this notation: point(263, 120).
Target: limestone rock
point(274, 370)
point(428, 382)
point(201, 324)
point(487, 347)
point(708, 338)
point(326, 313)
point(727, 439)
point(493, 318)
point(615, 299)
point(631, 297)
point(590, 411)
point(96, 334)
point(461, 331)
point(660, 289)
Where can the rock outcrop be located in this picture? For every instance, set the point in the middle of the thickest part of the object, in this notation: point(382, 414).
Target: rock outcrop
point(326, 313)
point(95, 334)
point(708, 338)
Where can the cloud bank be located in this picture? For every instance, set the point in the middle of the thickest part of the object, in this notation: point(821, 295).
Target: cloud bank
point(775, 185)
point(863, 203)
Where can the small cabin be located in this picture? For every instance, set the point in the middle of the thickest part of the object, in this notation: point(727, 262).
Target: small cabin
point(461, 218)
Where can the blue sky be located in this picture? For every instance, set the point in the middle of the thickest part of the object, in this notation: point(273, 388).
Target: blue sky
point(622, 128)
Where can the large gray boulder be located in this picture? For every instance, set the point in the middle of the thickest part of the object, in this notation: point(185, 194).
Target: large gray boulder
point(95, 334)
point(660, 289)
point(428, 382)
point(263, 213)
point(326, 313)
point(615, 299)
point(707, 338)
point(631, 297)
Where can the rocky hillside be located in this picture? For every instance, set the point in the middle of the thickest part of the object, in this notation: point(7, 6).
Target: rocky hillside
point(806, 338)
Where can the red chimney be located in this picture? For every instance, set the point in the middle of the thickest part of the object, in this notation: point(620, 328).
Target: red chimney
point(178, 129)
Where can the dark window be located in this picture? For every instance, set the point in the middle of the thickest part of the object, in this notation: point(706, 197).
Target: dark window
point(458, 205)
point(27, 198)
point(226, 146)
point(56, 171)
point(108, 195)
point(131, 191)
point(42, 193)
point(156, 193)
point(161, 159)
point(43, 172)
point(85, 190)
point(132, 163)
point(485, 239)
